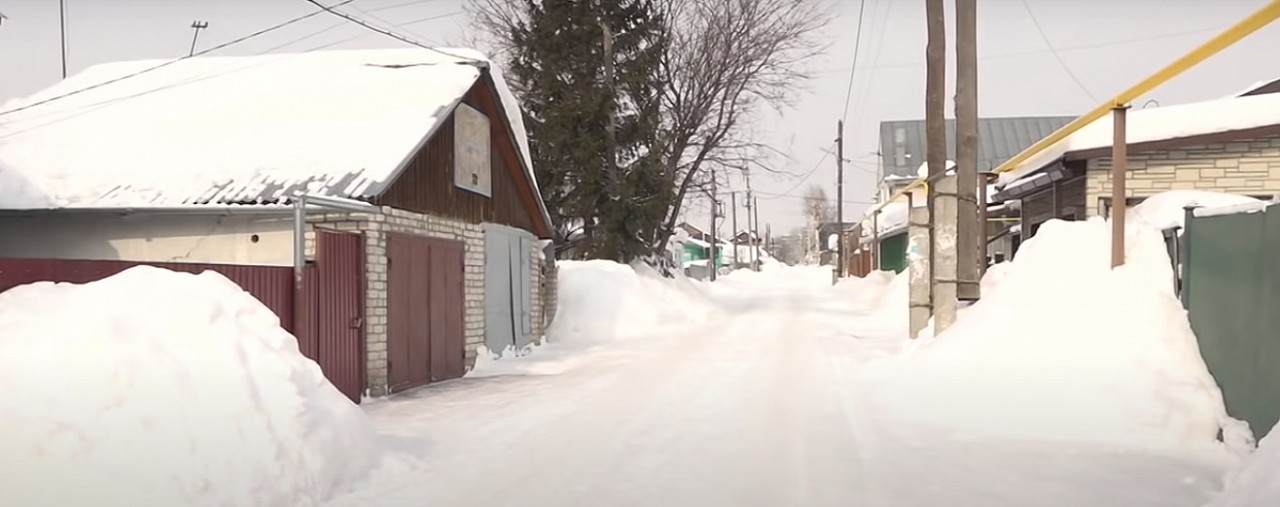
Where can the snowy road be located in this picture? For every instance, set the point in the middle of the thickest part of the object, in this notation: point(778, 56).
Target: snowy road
point(753, 407)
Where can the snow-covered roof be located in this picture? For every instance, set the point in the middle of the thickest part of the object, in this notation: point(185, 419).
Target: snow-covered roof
point(237, 130)
point(1159, 124)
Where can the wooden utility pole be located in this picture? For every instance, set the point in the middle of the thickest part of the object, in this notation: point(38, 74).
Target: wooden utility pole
point(62, 21)
point(197, 26)
point(755, 233)
point(1119, 154)
point(942, 198)
point(969, 234)
point(840, 199)
point(715, 239)
point(733, 204)
point(610, 132)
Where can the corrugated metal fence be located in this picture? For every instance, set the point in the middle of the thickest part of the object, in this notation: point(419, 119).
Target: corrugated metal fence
point(331, 333)
point(1231, 288)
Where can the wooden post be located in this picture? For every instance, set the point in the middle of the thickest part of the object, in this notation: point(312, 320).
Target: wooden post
point(969, 262)
point(733, 205)
point(1119, 155)
point(840, 198)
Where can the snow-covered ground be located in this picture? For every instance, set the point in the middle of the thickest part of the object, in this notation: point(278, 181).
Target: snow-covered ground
point(777, 388)
point(1069, 384)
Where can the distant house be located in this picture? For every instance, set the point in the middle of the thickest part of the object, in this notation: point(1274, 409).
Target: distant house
point(414, 162)
point(1229, 145)
point(903, 146)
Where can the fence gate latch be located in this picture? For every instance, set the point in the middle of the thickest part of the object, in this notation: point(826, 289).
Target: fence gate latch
point(357, 323)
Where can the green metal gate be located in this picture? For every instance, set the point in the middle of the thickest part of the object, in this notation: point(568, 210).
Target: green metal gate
point(893, 253)
point(1231, 288)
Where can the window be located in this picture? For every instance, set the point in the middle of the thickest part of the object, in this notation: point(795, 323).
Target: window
point(899, 135)
point(900, 156)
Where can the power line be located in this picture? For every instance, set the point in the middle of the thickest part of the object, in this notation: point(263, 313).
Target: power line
point(396, 6)
point(168, 63)
point(1034, 52)
point(88, 108)
point(826, 153)
point(388, 33)
point(857, 47)
point(1056, 56)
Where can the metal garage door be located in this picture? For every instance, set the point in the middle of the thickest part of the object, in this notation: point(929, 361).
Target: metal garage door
point(507, 292)
point(425, 341)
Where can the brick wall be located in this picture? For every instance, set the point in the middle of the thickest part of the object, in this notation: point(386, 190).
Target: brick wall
point(375, 227)
point(1247, 166)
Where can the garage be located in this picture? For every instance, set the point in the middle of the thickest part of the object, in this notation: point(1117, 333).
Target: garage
point(426, 338)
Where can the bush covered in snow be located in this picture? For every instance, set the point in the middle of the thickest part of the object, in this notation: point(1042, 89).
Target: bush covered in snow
point(159, 388)
point(1062, 347)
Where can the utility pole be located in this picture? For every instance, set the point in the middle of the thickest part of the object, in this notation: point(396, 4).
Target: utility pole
point(969, 263)
point(197, 26)
point(62, 20)
point(755, 234)
point(840, 199)
point(610, 133)
point(733, 204)
point(715, 239)
point(942, 189)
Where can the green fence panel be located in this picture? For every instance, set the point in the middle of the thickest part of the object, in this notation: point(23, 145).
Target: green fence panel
point(1231, 284)
point(893, 253)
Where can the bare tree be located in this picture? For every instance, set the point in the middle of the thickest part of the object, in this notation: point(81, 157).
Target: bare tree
point(817, 211)
point(728, 59)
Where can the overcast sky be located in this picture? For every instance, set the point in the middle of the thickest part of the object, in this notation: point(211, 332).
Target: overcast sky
point(1104, 46)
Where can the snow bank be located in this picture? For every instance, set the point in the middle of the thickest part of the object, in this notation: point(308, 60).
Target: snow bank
point(1254, 483)
point(601, 301)
point(865, 293)
point(159, 388)
point(1168, 209)
point(1063, 348)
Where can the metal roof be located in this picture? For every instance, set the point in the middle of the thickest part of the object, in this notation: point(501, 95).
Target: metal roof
point(998, 140)
point(235, 130)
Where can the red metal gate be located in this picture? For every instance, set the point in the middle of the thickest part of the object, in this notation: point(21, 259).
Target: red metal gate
point(329, 329)
point(425, 339)
point(335, 293)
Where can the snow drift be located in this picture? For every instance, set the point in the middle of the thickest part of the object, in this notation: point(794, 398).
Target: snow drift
point(602, 301)
point(159, 388)
point(1254, 483)
point(1063, 348)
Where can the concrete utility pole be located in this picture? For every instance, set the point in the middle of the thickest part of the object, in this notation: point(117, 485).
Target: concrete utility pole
point(920, 304)
point(1119, 154)
point(733, 204)
point(942, 190)
point(970, 236)
point(197, 26)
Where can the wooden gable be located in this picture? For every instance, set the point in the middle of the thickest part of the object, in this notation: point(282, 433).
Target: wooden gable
point(426, 184)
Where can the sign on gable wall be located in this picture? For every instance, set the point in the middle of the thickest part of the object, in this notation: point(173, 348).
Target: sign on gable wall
point(472, 156)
